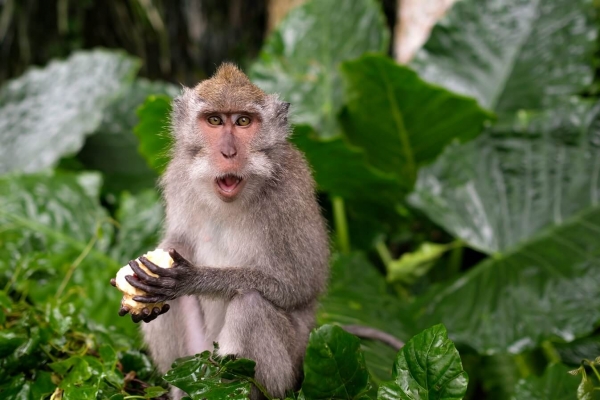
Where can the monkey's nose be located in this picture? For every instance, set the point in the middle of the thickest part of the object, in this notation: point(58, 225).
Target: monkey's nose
point(230, 153)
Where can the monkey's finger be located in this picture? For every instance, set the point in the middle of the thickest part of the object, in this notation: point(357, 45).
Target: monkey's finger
point(145, 287)
point(143, 275)
point(165, 308)
point(150, 299)
point(113, 282)
point(123, 311)
point(177, 258)
point(155, 268)
point(136, 317)
point(153, 314)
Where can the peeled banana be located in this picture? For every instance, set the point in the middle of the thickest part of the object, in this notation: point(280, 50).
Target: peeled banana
point(158, 257)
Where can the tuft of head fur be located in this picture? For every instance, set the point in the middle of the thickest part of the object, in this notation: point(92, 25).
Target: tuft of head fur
point(229, 89)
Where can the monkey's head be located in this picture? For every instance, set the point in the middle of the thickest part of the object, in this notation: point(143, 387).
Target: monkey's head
point(226, 130)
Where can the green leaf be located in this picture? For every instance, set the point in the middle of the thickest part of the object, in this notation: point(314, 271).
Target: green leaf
point(555, 384)
point(302, 66)
point(154, 392)
point(545, 289)
point(153, 132)
point(401, 121)
point(359, 295)
point(212, 377)
point(113, 148)
point(46, 113)
point(342, 170)
point(74, 369)
point(587, 390)
point(427, 367)
point(50, 226)
point(141, 218)
point(573, 352)
point(512, 54)
point(413, 265)
point(526, 192)
point(520, 177)
point(334, 366)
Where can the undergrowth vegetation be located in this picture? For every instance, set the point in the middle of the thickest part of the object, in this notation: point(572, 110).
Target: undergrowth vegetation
point(462, 192)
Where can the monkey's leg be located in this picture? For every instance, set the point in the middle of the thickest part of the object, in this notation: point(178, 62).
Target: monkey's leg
point(177, 333)
point(254, 328)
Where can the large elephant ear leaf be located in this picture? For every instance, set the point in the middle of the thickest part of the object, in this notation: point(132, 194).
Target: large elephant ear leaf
point(299, 64)
point(525, 58)
point(522, 176)
point(47, 113)
point(528, 193)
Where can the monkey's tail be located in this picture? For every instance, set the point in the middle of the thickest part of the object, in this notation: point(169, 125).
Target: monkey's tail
point(366, 332)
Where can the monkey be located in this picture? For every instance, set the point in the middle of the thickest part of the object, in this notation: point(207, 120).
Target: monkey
point(245, 231)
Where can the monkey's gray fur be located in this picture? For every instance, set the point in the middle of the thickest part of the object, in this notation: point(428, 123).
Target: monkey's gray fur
point(260, 262)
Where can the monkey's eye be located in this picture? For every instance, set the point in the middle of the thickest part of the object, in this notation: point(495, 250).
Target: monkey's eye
point(214, 120)
point(243, 121)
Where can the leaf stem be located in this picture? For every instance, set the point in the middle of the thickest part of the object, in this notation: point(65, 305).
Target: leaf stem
point(341, 224)
point(523, 365)
point(384, 253)
point(592, 366)
point(550, 352)
point(84, 253)
point(456, 257)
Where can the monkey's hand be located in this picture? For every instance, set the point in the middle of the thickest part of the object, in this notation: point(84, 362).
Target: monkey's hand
point(170, 284)
point(146, 314)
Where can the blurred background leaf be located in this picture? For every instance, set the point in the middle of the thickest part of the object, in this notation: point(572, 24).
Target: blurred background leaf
point(153, 133)
point(556, 384)
point(55, 239)
point(113, 150)
point(47, 113)
point(304, 69)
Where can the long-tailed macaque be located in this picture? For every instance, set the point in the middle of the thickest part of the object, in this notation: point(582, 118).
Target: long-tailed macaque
point(245, 231)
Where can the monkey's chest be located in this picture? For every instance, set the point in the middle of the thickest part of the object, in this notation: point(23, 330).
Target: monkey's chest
point(221, 246)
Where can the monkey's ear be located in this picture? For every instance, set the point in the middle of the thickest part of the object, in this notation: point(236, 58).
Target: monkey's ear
point(281, 111)
point(184, 109)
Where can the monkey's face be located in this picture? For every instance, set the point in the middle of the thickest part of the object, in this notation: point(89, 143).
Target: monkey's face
point(228, 139)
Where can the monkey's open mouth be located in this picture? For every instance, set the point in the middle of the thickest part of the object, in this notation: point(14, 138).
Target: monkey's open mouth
point(229, 186)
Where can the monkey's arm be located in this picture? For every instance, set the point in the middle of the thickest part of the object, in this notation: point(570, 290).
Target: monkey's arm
point(185, 279)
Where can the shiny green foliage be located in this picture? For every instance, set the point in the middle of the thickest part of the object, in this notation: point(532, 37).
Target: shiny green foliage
point(52, 350)
point(401, 121)
point(302, 67)
point(443, 211)
point(540, 220)
point(525, 174)
point(428, 367)
point(512, 54)
point(46, 113)
point(334, 366)
point(212, 377)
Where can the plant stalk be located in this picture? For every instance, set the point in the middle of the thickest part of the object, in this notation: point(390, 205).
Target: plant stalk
point(341, 224)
